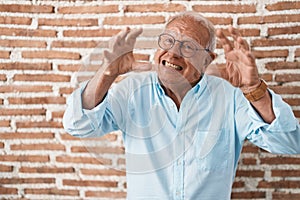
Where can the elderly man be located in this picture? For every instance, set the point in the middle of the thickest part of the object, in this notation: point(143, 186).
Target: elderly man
point(183, 130)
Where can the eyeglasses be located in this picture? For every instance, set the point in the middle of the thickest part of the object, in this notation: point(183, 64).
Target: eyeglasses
point(187, 48)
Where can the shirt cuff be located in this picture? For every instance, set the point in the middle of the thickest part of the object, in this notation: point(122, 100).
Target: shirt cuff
point(284, 121)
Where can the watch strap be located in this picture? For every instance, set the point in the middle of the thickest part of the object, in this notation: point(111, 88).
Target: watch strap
point(257, 93)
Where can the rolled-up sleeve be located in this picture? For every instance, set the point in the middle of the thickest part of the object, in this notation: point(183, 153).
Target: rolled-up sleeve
point(81, 122)
point(282, 135)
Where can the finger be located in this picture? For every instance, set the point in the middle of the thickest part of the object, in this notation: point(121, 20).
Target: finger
point(234, 32)
point(119, 39)
point(243, 44)
point(107, 55)
point(132, 35)
point(225, 42)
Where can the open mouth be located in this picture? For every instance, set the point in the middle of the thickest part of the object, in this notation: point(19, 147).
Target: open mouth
point(166, 63)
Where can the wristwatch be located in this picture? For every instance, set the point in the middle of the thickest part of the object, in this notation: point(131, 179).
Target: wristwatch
point(257, 93)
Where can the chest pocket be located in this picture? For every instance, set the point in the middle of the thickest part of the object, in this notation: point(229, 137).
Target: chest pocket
point(212, 150)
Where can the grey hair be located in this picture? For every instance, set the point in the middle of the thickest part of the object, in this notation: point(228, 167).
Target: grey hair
point(202, 20)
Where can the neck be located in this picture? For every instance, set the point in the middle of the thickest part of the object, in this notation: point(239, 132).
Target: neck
point(178, 91)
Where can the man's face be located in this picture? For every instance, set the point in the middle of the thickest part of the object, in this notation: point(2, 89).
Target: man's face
point(174, 67)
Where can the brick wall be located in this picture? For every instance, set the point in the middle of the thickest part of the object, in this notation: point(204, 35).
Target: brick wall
point(44, 44)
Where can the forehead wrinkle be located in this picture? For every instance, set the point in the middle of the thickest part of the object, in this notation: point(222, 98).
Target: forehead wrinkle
point(188, 26)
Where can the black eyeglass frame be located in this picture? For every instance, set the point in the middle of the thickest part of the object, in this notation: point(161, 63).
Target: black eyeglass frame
point(181, 44)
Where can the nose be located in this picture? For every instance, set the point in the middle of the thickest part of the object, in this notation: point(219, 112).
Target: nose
point(175, 50)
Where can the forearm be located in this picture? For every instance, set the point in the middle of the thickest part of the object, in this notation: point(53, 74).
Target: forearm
point(264, 107)
point(96, 89)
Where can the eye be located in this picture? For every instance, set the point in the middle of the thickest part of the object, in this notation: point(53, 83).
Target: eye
point(188, 46)
point(168, 41)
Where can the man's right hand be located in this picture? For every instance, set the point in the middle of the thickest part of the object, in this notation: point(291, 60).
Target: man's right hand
point(120, 60)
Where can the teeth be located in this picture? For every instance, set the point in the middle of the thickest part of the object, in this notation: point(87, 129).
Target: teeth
point(173, 66)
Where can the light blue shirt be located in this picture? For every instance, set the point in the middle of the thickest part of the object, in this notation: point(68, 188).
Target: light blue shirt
point(191, 153)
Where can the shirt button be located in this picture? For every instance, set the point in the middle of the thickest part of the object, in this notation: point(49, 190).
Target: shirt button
point(178, 162)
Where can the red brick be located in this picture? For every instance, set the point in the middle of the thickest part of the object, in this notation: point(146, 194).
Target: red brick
point(170, 7)
point(42, 77)
point(26, 180)
point(297, 52)
point(51, 54)
point(23, 43)
point(15, 20)
point(4, 123)
point(24, 158)
point(283, 6)
point(100, 150)
point(280, 160)
point(83, 183)
point(57, 114)
point(1, 147)
point(270, 54)
point(105, 194)
point(42, 124)
point(91, 33)
point(134, 20)
point(28, 32)
point(51, 191)
point(6, 168)
point(108, 137)
point(282, 195)
point(220, 20)
point(6, 190)
point(250, 149)
point(225, 8)
point(27, 135)
point(66, 90)
point(103, 172)
point(269, 19)
point(4, 54)
point(292, 102)
point(275, 42)
point(238, 184)
point(121, 161)
point(279, 89)
point(249, 161)
point(67, 22)
point(70, 67)
point(250, 173)
point(279, 184)
point(267, 77)
point(32, 111)
point(78, 44)
point(26, 8)
point(282, 65)
point(3, 77)
point(286, 173)
point(88, 9)
point(248, 195)
point(25, 66)
point(25, 88)
point(287, 77)
point(47, 170)
point(284, 30)
point(297, 113)
point(37, 100)
point(84, 160)
point(40, 146)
